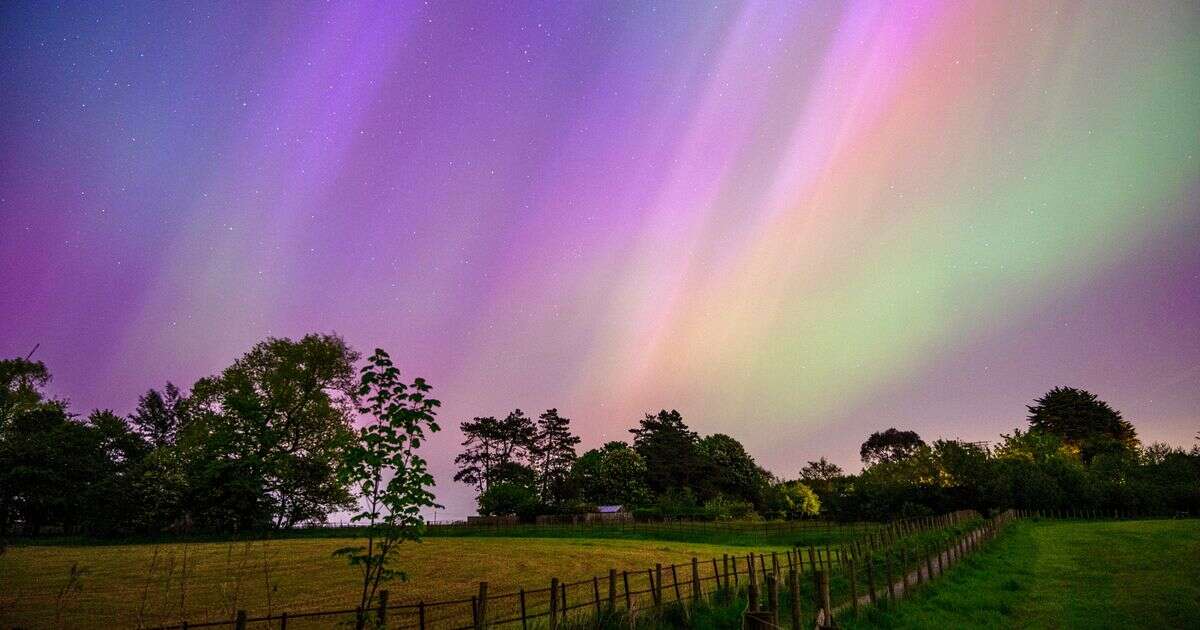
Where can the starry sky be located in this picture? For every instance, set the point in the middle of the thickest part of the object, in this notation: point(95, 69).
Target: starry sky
point(795, 222)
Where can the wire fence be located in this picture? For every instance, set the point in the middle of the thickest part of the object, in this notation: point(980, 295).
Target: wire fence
point(653, 590)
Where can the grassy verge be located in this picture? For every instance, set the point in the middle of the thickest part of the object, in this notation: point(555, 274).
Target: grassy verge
point(1055, 574)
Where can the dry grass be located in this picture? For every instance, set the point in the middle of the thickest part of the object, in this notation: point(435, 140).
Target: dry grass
point(132, 585)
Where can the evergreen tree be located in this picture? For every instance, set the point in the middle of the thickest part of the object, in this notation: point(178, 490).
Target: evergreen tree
point(669, 449)
point(554, 453)
point(1082, 420)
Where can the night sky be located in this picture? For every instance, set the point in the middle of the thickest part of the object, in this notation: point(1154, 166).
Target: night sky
point(794, 222)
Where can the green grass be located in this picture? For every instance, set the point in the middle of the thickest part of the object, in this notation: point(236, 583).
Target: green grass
point(732, 533)
point(736, 533)
point(1064, 574)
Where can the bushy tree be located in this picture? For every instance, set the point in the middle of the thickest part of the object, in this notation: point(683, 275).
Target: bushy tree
point(1081, 420)
point(792, 500)
point(509, 498)
point(390, 479)
point(271, 429)
point(670, 452)
point(891, 445)
point(21, 383)
point(614, 474)
point(820, 475)
point(50, 467)
point(731, 471)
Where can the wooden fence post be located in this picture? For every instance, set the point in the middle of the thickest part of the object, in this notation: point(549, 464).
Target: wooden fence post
point(853, 586)
point(823, 594)
point(871, 579)
point(553, 603)
point(381, 611)
point(653, 587)
point(752, 590)
point(521, 602)
point(675, 582)
point(596, 594)
point(481, 616)
point(282, 621)
point(697, 595)
point(240, 620)
point(773, 598)
point(612, 590)
point(794, 595)
point(887, 564)
point(562, 609)
point(628, 597)
point(658, 584)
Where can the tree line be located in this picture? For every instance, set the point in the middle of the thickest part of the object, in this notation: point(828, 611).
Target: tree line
point(271, 442)
point(526, 467)
point(264, 444)
point(1077, 452)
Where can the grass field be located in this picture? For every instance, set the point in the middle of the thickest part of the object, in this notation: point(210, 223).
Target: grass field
point(125, 583)
point(1063, 574)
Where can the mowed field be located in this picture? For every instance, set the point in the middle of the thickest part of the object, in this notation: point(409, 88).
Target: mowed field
point(1065, 574)
point(132, 585)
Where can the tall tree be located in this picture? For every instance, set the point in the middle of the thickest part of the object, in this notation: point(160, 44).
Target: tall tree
point(159, 415)
point(493, 446)
point(669, 449)
point(553, 453)
point(888, 446)
point(1081, 420)
point(271, 429)
point(21, 383)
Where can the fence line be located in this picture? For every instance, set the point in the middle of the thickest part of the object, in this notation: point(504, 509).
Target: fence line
point(628, 592)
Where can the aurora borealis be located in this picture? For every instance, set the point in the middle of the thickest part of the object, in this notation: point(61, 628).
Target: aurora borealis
point(794, 222)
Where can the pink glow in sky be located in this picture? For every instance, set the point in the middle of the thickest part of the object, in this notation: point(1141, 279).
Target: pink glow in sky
point(794, 222)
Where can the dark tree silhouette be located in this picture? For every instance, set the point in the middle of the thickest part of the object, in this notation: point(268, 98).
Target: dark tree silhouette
point(553, 454)
point(1082, 420)
point(491, 445)
point(892, 445)
point(273, 425)
point(670, 451)
point(21, 383)
point(612, 474)
point(732, 472)
point(159, 415)
point(820, 475)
